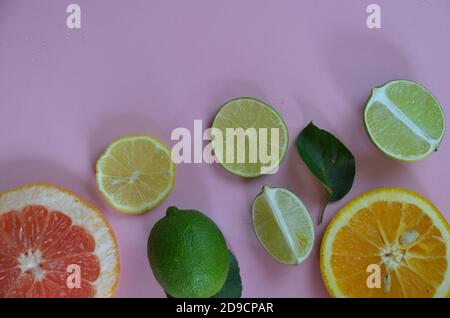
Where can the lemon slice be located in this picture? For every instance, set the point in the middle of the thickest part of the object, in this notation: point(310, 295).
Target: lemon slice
point(259, 121)
point(404, 120)
point(283, 225)
point(135, 173)
point(395, 230)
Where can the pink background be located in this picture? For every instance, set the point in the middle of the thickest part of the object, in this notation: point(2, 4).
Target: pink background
point(151, 66)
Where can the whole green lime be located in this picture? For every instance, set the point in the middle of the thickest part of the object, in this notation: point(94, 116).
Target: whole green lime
point(188, 254)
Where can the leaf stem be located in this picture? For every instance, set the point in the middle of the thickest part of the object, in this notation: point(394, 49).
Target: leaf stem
point(322, 211)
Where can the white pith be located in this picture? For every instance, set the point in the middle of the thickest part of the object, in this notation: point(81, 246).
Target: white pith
point(269, 195)
point(31, 261)
point(392, 256)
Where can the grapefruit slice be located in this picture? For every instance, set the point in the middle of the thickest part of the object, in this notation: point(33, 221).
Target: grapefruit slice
point(54, 245)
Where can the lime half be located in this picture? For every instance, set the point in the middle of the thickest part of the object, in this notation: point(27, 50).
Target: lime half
point(283, 225)
point(252, 139)
point(404, 120)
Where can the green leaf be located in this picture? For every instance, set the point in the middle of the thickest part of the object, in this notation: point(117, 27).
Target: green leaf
point(233, 284)
point(328, 160)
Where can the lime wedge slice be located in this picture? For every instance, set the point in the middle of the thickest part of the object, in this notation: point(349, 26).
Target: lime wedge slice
point(254, 137)
point(404, 120)
point(283, 225)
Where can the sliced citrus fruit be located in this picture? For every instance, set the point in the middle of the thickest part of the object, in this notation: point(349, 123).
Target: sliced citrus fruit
point(283, 225)
point(254, 137)
point(397, 231)
point(404, 120)
point(53, 245)
point(135, 173)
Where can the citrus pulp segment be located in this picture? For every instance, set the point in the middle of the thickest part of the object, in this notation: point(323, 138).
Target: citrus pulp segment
point(48, 235)
point(135, 173)
point(395, 229)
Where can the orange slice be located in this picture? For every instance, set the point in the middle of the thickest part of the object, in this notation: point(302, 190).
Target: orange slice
point(400, 232)
point(54, 245)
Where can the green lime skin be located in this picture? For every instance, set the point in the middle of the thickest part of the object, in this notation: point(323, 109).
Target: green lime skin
point(188, 254)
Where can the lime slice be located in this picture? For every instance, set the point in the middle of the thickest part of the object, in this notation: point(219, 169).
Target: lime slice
point(283, 225)
point(253, 139)
point(135, 173)
point(404, 120)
